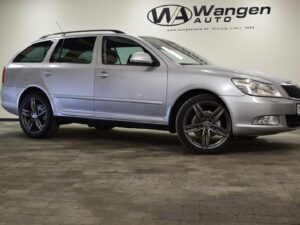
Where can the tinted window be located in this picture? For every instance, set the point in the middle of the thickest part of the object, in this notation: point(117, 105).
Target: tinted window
point(74, 50)
point(34, 53)
point(118, 50)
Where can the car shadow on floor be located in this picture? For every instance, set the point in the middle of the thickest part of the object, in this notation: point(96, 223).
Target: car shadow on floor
point(159, 139)
point(263, 144)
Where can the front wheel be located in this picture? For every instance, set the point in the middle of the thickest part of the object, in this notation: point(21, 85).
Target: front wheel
point(203, 125)
point(36, 118)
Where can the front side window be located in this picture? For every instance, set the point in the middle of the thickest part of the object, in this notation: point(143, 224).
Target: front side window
point(176, 53)
point(74, 50)
point(34, 53)
point(118, 50)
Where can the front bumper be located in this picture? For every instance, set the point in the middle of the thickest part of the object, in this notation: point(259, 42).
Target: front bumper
point(245, 109)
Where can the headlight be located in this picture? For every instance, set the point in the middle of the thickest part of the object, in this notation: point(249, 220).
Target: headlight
point(252, 87)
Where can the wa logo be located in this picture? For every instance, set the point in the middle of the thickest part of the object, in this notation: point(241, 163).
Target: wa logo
point(169, 15)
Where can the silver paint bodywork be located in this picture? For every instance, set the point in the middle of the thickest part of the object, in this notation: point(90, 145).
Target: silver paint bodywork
point(140, 94)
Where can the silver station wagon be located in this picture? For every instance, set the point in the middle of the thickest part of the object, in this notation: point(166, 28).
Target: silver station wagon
point(106, 79)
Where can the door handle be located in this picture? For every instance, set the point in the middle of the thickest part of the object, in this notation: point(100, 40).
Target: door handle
point(103, 74)
point(47, 73)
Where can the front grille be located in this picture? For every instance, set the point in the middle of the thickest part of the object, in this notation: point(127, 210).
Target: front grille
point(292, 90)
point(293, 120)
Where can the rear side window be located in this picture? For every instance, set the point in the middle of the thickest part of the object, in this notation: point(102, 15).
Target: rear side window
point(74, 50)
point(34, 53)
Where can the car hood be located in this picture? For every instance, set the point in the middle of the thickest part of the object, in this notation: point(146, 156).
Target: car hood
point(234, 73)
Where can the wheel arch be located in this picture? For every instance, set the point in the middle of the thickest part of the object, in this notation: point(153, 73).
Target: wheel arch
point(186, 96)
point(33, 89)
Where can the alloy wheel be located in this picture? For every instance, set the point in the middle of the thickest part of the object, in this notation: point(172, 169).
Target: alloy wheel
point(207, 125)
point(34, 115)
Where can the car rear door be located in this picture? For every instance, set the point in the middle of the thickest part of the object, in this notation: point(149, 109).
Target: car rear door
point(69, 75)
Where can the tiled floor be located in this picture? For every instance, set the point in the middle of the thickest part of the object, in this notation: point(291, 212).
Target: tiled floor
point(83, 176)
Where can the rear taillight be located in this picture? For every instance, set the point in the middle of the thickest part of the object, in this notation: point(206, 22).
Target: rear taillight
point(3, 75)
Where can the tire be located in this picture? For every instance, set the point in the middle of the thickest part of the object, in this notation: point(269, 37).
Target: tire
point(36, 117)
point(203, 125)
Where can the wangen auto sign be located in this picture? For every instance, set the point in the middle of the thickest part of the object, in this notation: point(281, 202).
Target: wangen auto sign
point(173, 15)
point(169, 15)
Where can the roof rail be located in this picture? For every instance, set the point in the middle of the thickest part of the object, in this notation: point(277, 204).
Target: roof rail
point(81, 31)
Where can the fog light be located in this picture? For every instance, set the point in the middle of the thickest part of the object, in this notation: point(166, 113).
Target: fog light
point(266, 120)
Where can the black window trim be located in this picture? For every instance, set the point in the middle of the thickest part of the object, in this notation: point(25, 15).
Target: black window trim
point(45, 56)
point(63, 40)
point(157, 64)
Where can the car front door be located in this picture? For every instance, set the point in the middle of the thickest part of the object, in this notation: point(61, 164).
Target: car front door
point(128, 92)
point(69, 76)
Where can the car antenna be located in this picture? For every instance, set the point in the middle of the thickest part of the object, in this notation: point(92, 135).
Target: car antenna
point(59, 27)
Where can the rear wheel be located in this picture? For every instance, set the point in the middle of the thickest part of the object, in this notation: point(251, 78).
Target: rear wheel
point(36, 117)
point(203, 125)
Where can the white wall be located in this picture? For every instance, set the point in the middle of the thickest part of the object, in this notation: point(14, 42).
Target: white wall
point(272, 47)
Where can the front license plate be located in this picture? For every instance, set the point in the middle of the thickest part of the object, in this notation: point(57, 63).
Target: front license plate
point(298, 109)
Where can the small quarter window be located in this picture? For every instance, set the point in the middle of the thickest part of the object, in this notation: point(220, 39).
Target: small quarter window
point(34, 53)
point(74, 50)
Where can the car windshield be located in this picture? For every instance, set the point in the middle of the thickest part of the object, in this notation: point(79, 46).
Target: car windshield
point(176, 53)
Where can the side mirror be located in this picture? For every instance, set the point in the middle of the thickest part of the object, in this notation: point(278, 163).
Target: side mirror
point(141, 58)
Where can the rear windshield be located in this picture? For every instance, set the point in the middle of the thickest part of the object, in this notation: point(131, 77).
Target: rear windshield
point(34, 53)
